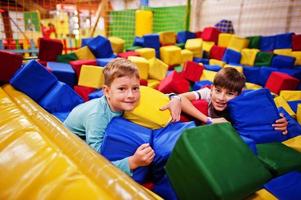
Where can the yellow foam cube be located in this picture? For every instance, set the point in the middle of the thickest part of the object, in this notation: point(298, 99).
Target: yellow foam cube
point(207, 45)
point(281, 102)
point(147, 113)
point(146, 53)
point(187, 55)
point(117, 44)
point(142, 65)
point(248, 56)
point(299, 113)
point(291, 95)
point(143, 22)
point(238, 43)
point(252, 86)
point(284, 52)
point(216, 62)
point(84, 53)
point(91, 76)
point(167, 38)
point(294, 143)
point(195, 45)
point(262, 194)
point(238, 68)
point(224, 39)
point(297, 55)
point(171, 55)
point(157, 69)
point(153, 83)
point(208, 75)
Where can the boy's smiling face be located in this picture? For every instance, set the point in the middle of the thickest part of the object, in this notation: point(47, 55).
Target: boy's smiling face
point(220, 97)
point(123, 94)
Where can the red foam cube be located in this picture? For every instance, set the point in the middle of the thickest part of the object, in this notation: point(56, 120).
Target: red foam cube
point(278, 81)
point(77, 65)
point(210, 34)
point(296, 42)
point(49, 49)
point(83, 91)
point(217, 52)
point(9, 64)
point(174, 82)
point(127, 54)
point(199, 104)
point(192, 71)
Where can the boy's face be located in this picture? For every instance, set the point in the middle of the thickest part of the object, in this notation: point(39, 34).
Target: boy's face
point(220, 97)
point(123, 94)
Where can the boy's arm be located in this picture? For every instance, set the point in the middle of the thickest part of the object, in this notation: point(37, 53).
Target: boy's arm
point(123, 165)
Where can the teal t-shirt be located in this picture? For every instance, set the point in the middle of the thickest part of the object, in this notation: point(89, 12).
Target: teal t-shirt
point(89, 120)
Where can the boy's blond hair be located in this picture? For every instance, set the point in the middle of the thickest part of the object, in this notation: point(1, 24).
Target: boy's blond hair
point(230, 79)
point(119, 67)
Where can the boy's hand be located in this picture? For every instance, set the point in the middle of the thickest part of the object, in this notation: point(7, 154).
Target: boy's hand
point(174, 107)
point(143, 156)
point(219, 120)
point(281, 124)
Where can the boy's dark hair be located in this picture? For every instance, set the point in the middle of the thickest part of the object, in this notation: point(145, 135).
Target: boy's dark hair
point(230, 79)
point(117, 68)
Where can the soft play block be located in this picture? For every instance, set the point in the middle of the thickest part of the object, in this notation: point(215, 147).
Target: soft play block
point(252, 86)
point(96, 94)
point(237, 43)
point(217, 52)
point(224, 39)
point(192, 71)
point(143, 22)
point(151, 41)
point(66, 58)
point(298, 114)
point(174, 82)
point(248, 56)
point(207, 45)
point(291, 95)
point(127, 54)
point(294, 105)
point(33, 79)
point(183, 36)
point(194, 173)
point(208, 75)
point(283, 41)
point(267, 43)
point(284, 52)
point(293, 127)
point(195, 46)
point(232, 56)
point(254, 119)
point(201, 105)
point(9, 64)
point(60, 98)
point(91, 76)
point(281, 61)
point(157, 69)
point(264, 74)
point(83, 91)
point(281, 102)
point(278, 81)
point(84, 53)
point(286, 187)
point(263, 59)
point(262, 194)
point(216, 62)
point(254, 42)
point(296, 42)
point(210, 34)
point(146, 53)
point(186, 55)
point(103, 61)
point(278, 158)
point(215, 68)
point(76, 65)
point(297, 55)
point(100, 47)
point(63, 72)
point(171, 55)
point(121, 140)
point(49, 49)
point(200, 84)
point(117, 44)
point(85, 41)
point(148, 113)
point(153, 83)
point(164, 189)
point(294, 143)
point(142, 65)
point(167, 38)
point(251, 143)
point(138, 42)
point(164, 140)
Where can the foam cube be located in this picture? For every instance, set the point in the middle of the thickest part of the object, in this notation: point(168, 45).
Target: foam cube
point(148, 113)
point(186, 55)
point(84, 53)
point(248, 56)
point(252, 74)
point(217, 52)
point(281, 102)
point(232, 56)
point(33, 79)
point(103, 61)
point(191, 167)
point(142, 65)
point(291, 95)
point(263, 59)
point(267, 43)
point(297, 55)
point(283, 52)
point(183, 36)
point(207, 45)
point(157, 69)
point(49, 49)
point(210, 34)
point(143, 22)
point(117, 44)
point(217, 62)
point(76, 65)
point(195, 45)
point(100, 47)
point(171, 55)
point(85, 41)
point(224, 39)
point(66, 58)
point(200, 104)
point(83, 91)
point(296, 42)
point(9, 64)
point(151, 41)
point(174, 82)
point(215, 68)
point(127, 54)
point(146, 53)
point(208, 75)
point(264, 74)
point(91, 76)
point(237, 43)
point(280, 81)
point(167, 38)
point(153, 83)
point(63, 71)
point(283, 41)
point(294, 143)
point(280, 61)
point(252, 86)
point(254, 42)
point(298, 114)
point(192, 71)
point(95, 94)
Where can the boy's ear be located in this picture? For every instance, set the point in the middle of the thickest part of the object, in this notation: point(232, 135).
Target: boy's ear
point(106, 90)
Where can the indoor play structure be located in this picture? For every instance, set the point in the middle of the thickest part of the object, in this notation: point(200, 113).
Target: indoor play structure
point(52, 56)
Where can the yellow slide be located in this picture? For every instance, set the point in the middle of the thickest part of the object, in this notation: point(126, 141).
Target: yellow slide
point(41, 159)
